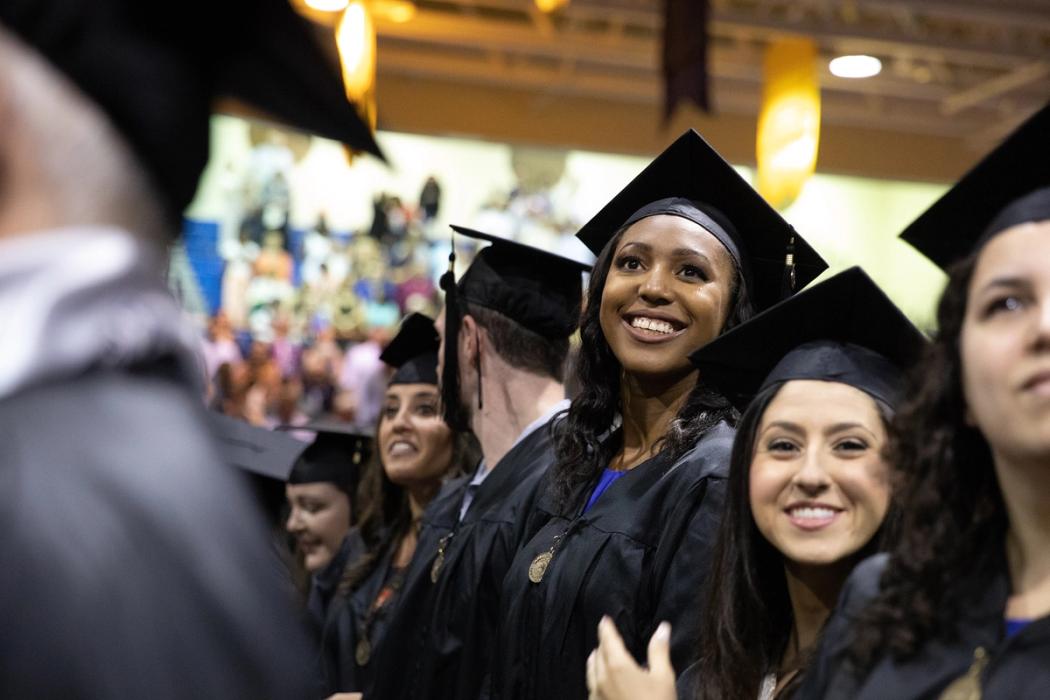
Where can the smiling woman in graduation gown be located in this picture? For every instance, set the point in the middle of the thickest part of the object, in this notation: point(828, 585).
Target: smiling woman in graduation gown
point(415, 451)
point(960, 607)
point(630, 510)
point(816, 378)
point(322, 507)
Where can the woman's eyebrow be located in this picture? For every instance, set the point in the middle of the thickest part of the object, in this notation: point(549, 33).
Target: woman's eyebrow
point(689, 253)
point(847, 425)
point(637, 244)
point(1013, 282)
point(784, 425)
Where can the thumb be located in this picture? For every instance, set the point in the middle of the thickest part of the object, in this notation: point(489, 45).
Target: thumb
point(660, 651)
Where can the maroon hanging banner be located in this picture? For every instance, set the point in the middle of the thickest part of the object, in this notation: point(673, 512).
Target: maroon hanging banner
point(685, 54)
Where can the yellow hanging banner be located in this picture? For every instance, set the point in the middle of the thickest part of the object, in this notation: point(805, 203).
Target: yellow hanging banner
point(355, 37)
point(789, 121)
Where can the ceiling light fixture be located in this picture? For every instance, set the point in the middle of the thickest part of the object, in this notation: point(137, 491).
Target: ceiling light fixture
point(858, 66)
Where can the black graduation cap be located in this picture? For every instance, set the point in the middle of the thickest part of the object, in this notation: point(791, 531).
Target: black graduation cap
point(413, 351)
point(156, 68)
point(256, 450)
point(337, 454)
point(844, 330)
point(961, 220)
point(691, 180)
point(265, 456)
point(540, 290)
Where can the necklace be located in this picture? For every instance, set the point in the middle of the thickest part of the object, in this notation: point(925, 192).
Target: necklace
point(363, 650)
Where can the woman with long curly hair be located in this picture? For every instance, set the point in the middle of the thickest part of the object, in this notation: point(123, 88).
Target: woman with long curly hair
point(808, 493)
point(960, 607)
point(415, 453)
point(627, 519)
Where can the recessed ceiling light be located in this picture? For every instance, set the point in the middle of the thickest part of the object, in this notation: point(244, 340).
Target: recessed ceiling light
point(859, 66)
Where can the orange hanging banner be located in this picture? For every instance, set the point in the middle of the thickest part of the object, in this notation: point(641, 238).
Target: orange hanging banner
point(789, 121)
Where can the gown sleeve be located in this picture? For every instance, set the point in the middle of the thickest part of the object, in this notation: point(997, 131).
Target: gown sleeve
point(136, 564)
point(829, 674)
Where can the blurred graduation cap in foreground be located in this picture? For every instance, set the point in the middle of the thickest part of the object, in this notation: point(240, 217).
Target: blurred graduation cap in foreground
point(691, 180)
point(156, 69)
point(973, 210)
point(844, 329)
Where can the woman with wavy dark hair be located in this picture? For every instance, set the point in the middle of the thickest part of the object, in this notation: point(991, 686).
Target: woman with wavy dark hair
point(960, 607)
point(415, 453)
point(627, 519)
point(808, 493)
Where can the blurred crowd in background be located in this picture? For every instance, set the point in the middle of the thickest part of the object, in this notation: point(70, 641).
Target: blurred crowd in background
point(300, 327)
point(302, 316)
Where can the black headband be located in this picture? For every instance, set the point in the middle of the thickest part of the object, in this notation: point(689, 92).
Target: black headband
point(1034, 206)
point(703, 215)
point(843, 363)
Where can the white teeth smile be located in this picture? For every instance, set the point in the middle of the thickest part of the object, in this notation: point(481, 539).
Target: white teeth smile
point(652, 324)
point(812, 513)
point(401, 448)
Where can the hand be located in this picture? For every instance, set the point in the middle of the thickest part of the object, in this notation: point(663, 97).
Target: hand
point(613, 674)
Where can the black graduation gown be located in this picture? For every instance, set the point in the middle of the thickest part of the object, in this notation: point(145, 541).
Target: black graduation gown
point(323, 584)
point(135, 564)
point(346, 616)
point(447, 632)
point(1018, 667)
point(640, 555)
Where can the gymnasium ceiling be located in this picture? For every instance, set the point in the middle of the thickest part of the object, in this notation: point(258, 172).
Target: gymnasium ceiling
point(957, 76)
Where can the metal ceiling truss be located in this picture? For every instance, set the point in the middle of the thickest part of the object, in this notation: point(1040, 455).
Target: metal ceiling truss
point(965, 68)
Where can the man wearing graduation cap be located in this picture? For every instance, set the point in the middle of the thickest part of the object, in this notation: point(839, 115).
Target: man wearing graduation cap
point(137, 564)
point(505, 338)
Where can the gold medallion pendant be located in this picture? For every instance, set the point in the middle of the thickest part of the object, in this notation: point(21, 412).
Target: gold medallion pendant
point(435, 570)
point(363, 652)
point(539, 566)
point(968, 685)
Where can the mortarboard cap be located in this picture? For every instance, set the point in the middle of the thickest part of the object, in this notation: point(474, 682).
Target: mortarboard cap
point(967, 215)
point(413, 351)
point(265, 456)
point(337, 454)
point(256, 450)
point(844, 329)
point(689, 179)
point(156, 69)
point(539, 290)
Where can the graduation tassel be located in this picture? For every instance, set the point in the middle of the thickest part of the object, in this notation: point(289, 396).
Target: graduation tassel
point(452, 406)
point(787, 285)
